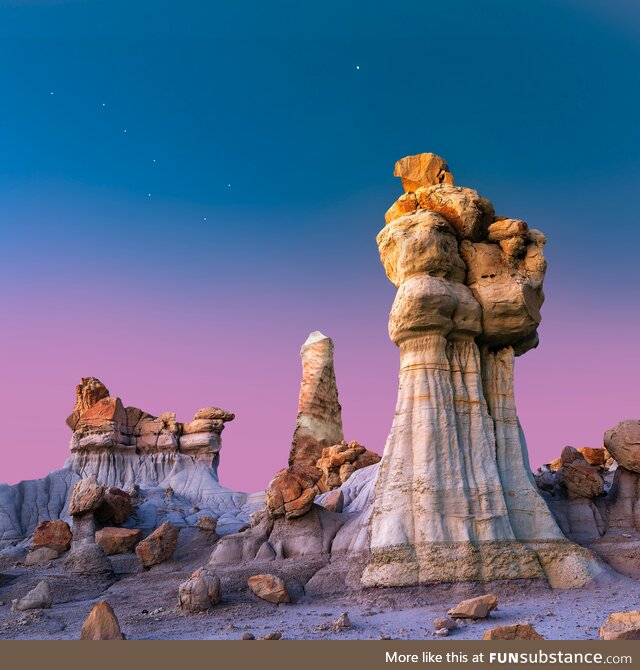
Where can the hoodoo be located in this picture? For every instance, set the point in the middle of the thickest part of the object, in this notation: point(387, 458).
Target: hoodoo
point(454, 499)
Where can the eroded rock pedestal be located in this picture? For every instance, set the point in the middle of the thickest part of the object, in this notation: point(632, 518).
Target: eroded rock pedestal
point(454, 498)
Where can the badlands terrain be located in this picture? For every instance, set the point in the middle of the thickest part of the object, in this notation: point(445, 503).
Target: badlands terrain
point(448, 533)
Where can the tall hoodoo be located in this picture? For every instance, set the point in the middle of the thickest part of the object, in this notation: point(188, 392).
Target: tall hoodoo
point(319, 421)
point(454, 498)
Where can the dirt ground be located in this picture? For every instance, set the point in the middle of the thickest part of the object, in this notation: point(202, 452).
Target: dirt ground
point(146, 605)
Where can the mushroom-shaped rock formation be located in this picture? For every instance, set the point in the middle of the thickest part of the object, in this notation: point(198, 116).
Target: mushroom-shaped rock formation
point(319, 421)
point(454, 498)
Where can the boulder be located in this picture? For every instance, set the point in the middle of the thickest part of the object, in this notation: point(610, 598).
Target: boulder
point(621, 626)
point(340, 461)
point(200, 592)
point(54, 534)
point(38, 598)
point(292, 491)
point(474, 608)
point(319, 420)
point(519, 631)
point(87, 495)
point(444, 622)
point(101, 624)
point(40, 556)
point(422, 170)
point(213, 413)
point(159, 546)
point(342, 623)
point(269, 588)
point(623, 443)
point(118, 540)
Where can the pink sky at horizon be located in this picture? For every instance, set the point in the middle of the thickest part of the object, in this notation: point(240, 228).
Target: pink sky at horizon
point(569, 380)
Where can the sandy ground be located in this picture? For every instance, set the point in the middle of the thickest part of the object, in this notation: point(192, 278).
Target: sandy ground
point(146, 606)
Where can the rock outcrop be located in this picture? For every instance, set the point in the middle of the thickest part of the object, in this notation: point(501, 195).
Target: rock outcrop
point(136, 457)
point(319, 421)
point(340, 461)
point(594, 493)
point(454, 498)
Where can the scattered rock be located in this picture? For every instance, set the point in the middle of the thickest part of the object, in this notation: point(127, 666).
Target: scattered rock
point(621, 626)
point(86, 496)
point(38, 598)
point(276, 635)
point(292, 491)
point(474, 608)
point(200, 592)
point(520, 631)
point(442, 632)
point(342, 622)
point(248, 636)
point(444, 622)
point(54, 534)
point(422, 170)
point(40, 556)
point(101, 624)
point(159, 546)
point(118, 540)
point(582, 480)
point(269, 588)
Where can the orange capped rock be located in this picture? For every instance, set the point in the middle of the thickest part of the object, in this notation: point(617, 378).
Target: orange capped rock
point(88, 392)
point(422, 170)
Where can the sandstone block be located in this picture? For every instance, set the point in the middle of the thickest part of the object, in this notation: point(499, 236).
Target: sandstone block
point(118, 540)
point(200, 592)
point(269, 588)
point(54, 534)
point(159, 546)
point(474, 608)
point(101, 624)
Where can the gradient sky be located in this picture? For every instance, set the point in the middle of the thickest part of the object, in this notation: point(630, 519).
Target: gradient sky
point(184, 261)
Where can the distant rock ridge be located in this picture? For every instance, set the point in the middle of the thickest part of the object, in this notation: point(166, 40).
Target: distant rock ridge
point(130, 449)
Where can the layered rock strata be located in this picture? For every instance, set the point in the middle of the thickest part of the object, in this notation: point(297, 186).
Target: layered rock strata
point(454, 499)
point(319, 420)
point(153, 469)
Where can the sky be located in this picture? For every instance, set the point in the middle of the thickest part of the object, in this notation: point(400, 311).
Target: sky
point(188, 189)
